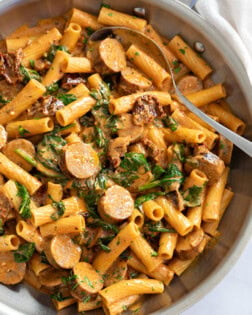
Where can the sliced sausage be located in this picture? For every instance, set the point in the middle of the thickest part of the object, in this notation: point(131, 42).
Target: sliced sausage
point(190, 84)
point(117, 148)
point(5, 205)
point(116, 205)
point(87, 280)
point(208, 163)
point(11, 272)
point(79, 160)
point(52, 277)
point(111, 57)
point(117, 272)
point(126, 127)
point(23, 144)
point(132, 81)
point(62, 252)
point(3, 136)
point(188, 246)
point(225, 149)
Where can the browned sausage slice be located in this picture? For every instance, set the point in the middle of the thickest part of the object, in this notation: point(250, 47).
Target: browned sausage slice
point(11, 272)
point(111, 57)
point(62, 252)
point(116, 272)
point(132, 81)
point(190, 84)
point(25, 145)
point(87, 280)
point(116, 205)
point(126, 127)
point(187, 247)
point(5, 205)
point(52, 277)
point(80, 160)
point(3, 136)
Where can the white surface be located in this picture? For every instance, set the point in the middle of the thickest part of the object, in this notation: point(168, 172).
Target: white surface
point(232, 295)
point(233, 19)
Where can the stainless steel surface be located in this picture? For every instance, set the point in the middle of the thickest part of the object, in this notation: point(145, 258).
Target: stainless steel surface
point(170, 17)
point(124, 33)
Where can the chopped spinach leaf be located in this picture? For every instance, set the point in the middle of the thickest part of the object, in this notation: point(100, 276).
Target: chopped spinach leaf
point(103, 246)
point(157, 227)
point(172, 174)
point(22, 131)
point(171, 123)
point(60, 208)
point(53, 88)
point(52, 51)
point(24, 252)
point(3, 101)
point(89, 30)
point(192, 196)
point(141, 199)
point(58, 296)
point(66, 98)
point(29, 74)
point(24, 208)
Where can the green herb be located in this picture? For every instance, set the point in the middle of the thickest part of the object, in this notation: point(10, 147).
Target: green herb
point(157, 227)
point(85, 40)
point(29, 74)
point(104, 225)
point(110, 14)
point(26, 157)
point(182, 51)
point(177, 70)
point(102, 95)
point(192, 196)
point(130, 165)
point(100, 139)
point(140, 200)
point(52, 51)
point(132, 161)
point(154, 254)
point(53, 88)
point(101, 180)
point(59, 297)
point(171, 123)
point(105, 5)
point(179, 150)
point(1, 227)
point(222, 145)
point(103, 246)
point(70, 278)
point(24, 252)
point(60, 208)
point(89, 30)
point(88, 282)
point(172, 174)
point(111, 123)
point(137, 53)
point(86, 299)
point(157, 171)
point(125, 255)
point(32, 63)
point(44, 258)
point(3, 101)
point(24, 208)
point(175, 63)
point(22, 131)
point(66, 98)
point(124, 308)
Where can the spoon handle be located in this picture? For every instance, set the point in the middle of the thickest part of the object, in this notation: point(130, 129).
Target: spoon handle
point(242, 143)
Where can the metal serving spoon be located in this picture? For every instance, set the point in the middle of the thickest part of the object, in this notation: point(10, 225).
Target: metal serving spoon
point(129, 36)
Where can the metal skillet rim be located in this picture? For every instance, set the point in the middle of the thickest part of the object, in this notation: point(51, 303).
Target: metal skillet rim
point(218, 41)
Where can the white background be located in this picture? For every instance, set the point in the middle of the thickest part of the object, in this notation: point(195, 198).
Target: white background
point(233, 295)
